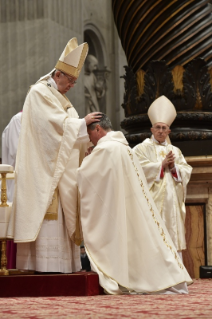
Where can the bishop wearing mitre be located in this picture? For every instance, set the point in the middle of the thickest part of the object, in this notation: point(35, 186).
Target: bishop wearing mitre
point(45, 208)
point(166, 170)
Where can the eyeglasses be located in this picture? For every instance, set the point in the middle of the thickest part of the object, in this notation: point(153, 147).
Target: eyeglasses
point(163, 128)
point(70, 80)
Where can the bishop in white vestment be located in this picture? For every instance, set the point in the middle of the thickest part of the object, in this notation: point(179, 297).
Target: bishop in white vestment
point(45, 207)
point(125, 238)
point(166, 170)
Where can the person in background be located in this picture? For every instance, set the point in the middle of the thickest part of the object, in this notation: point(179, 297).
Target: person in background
point(10, 137)
point(166, 170)
point(84, 259)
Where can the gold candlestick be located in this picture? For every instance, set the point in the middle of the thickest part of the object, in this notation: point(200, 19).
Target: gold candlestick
point(3, 190)
point(4, 271)
point(3, 172)
point(3, 241)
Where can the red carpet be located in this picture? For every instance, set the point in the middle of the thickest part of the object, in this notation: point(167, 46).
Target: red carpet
point(198, 304)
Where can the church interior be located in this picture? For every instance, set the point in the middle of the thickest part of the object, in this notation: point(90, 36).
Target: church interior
point(138, 51)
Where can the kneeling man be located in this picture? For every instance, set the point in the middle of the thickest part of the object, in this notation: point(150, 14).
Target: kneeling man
point(124, 236)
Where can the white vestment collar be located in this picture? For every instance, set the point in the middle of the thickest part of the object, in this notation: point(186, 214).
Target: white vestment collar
point(116, 136)
point(51, 81)
point(156, 142)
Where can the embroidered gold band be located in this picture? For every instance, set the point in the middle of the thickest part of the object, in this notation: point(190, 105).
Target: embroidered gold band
point(71, 70)
point(68, 69)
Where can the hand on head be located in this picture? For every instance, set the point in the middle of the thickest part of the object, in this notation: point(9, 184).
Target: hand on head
point(168, 160)
point(92, 117)
point(98, 126)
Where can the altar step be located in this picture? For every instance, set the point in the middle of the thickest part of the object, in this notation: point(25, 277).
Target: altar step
point(50, 285)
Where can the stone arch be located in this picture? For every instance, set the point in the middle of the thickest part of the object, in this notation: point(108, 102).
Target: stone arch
point(94, 38)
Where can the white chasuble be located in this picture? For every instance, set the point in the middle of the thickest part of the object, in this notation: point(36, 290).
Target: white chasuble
point(47, 158)
point(125, 238)
point(168, 192)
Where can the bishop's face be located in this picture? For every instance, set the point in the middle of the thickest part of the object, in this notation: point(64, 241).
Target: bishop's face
point(160, 131)
point(64, 82)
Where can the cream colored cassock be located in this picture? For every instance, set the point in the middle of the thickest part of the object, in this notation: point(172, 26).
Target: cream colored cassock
point(48, 155)
point(169, 193)
point(10, 138)
point(124, 235)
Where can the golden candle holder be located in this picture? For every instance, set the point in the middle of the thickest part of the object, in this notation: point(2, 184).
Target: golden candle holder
point(4, 170)
point(3, 190)
point(4, 271)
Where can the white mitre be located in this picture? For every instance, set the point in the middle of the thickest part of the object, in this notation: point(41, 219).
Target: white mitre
point(73, 57)
point(162, 110)
point(71, 60)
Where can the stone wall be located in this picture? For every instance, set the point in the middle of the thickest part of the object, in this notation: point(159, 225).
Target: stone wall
point(102, 22)
point(34, 34)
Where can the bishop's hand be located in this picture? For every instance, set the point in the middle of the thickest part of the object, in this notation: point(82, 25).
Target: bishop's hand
point(92, 117)
point(168, 160)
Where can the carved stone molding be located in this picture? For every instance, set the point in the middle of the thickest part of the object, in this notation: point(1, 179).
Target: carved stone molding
point(189, 89)
point(137, 138)
point(138, 127)
point(198, 117)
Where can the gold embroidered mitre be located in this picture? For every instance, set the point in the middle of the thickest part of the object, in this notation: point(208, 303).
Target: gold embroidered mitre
point(162, 110)
point(73, 57)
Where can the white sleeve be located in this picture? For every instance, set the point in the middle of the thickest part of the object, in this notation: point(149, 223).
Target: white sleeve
point(83, 134)
point(178, 179)
point(158, 176)
point(10, 138)
point(4, 146)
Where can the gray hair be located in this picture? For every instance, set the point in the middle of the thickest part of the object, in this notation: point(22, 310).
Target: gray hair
point(53, 73)
point(104, 122)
